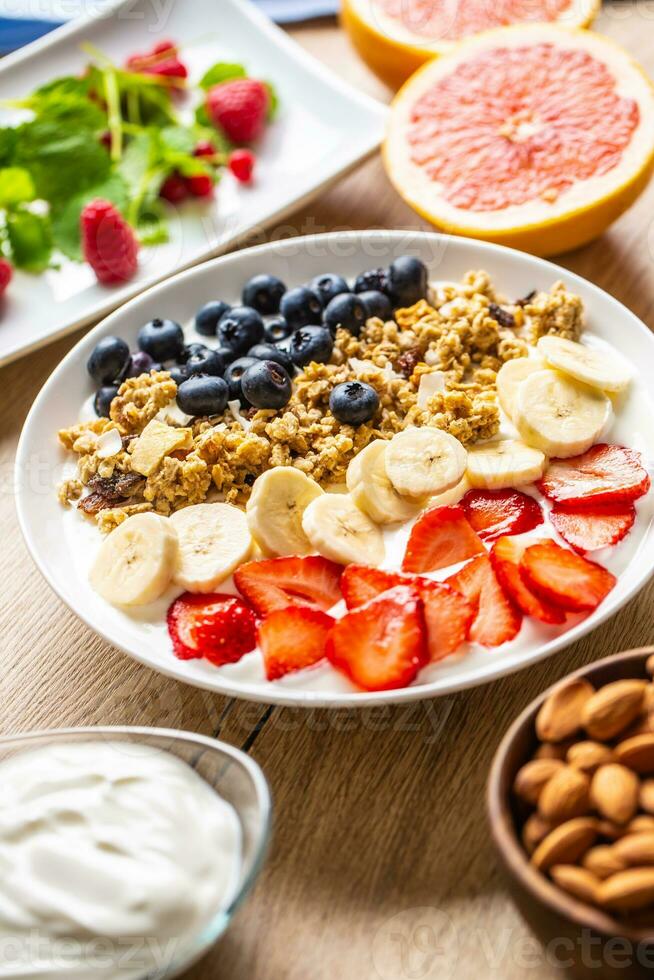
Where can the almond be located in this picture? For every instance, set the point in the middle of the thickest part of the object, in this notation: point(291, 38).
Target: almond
point(637, 753)
point(646, 795)
point(580, 882)
point(614, 792)
point(603, 861)
point(636, 849)
point(560, 715)
point(649, 665)
point(611, 830)
point(612, 708)
point(566, 843)
point(533, 776)
point(565, 795)
point(550, 750)
point(534, 831)
point(589, 756)
point(627, 890)
point(642, 824)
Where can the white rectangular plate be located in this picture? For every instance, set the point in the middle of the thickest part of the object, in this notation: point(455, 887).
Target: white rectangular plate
point(323, 129)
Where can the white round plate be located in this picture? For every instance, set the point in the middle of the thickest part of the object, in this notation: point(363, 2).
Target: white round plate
point(59, 548)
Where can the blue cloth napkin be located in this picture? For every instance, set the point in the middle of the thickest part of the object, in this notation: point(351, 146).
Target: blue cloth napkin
point(18, 28)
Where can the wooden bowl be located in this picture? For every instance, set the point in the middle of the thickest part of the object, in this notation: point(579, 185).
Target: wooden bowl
point(580, 939)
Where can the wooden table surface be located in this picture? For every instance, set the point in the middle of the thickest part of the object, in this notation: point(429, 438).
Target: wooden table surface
point(380, 866)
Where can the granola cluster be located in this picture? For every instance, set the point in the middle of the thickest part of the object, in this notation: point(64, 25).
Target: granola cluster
point(435, 364)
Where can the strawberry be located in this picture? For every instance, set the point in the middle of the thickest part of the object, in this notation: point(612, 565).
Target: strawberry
point(108, 242)
point(564, 578)
point(381, 645)
point(592, 528)
point(201, 185)
point(361, 583)
point(204, 148)
point(174, 189)
point(442, 536)
point(498, 620)
point(603, 475)
point(493, 513)
point(292, 639)
point(6, 272)
point(219, 627)
point(505, 558)
point(239, 108)
point(241, 163)
point(162, 60)
point(279, 582)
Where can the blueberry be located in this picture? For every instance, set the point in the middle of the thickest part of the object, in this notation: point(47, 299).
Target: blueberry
point(266, 384)
point(353, 402)
point(263, 293)
point(311, 344)
point(203, 395)
point(407, 279)
point(348, 311)
point(235, 372)
point(139, 363)
point(377, 304)
point(268, 352)
point(205, 362)
point(301, 306)
point(189, 350)
point(373, 279)
point(207, 317)
point(277, 329)
point(103, 399)
point(161, 339)
point(178, 373)
point(328, 285)
point(240, 329)
point(108, 360)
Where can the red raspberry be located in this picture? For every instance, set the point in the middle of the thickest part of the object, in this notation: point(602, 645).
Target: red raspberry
point(174, 189)
point(109, 244)
point(6, 272)
point(241, 163)
point(239, 108)
point(200, 186)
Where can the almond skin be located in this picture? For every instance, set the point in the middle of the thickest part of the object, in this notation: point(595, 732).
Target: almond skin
point(649, 665)
point(560, 715)
point(533, 776)
point(637, 753)
point(636, 850)
point(534, 831)
point(589, 756)
point(614, 792)
point(603, 861)
point(642, 824)
point(566, 843)
point(580, 882)
point(565, 795)
point(627, 890)
point(646, 795)
point(608, 712)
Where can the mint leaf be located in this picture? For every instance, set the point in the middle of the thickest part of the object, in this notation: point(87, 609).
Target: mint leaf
point(66, 85)
point(151, 225)
point(273, 104)
point(75, 111)
point(177, 139)
point(222, 71)
point(30, 240)
point(16, 187)
point(61, 159)
point(7, 145)
point(65, 225)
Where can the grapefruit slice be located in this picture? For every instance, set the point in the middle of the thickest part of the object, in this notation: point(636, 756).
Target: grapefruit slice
point(535, 137)
point(396, 37)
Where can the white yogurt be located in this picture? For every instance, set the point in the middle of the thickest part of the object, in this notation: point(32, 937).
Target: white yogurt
point(113, 856)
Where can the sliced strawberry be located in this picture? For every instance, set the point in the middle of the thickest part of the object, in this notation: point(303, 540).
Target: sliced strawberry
point(592, 528)
point(603, 475)
point(292, 639)
point(564, 578)
point(497, 620)
point(219, 627)
point(493, 513)
point(361, 583)
point(505, 557)
point(441, 537)
point(448, 615)
point(382, 645)
point(279, 582)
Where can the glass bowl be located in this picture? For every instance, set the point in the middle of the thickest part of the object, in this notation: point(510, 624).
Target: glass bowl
point(231, 773)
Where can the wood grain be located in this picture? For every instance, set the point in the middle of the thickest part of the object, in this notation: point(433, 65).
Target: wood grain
point(381, 866)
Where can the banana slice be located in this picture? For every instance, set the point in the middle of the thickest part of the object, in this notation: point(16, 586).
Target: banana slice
point(511, 375)
point(505, 463)
point(424, 461)
point(371, 489)
point(558, 415)
point(274, 510)
point(339, 530)
point(452, 496)
point(213, 541)
point(608, 372)
point(136, 562)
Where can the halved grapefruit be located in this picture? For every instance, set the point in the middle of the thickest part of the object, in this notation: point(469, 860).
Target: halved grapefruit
point(396, 37)
point(535, 137)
